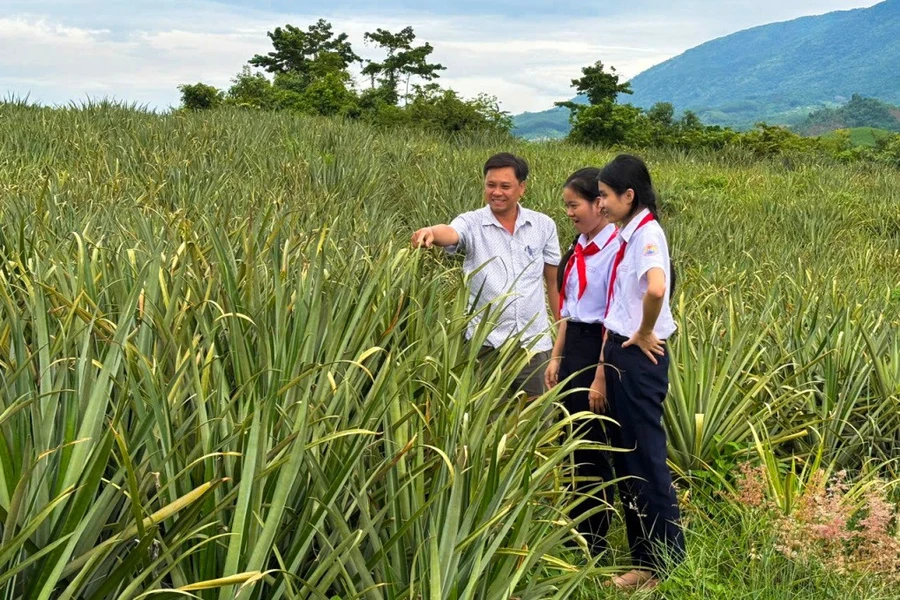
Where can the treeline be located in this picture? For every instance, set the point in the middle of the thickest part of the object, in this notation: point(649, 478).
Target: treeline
point(309, 72)
point(604, 121)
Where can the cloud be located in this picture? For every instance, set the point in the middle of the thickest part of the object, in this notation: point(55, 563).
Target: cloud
point(66, 63)
point(141, 51)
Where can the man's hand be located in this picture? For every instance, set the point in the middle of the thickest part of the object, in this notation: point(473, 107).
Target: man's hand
point(423, 238)
point(435, 235)
point(597, 395)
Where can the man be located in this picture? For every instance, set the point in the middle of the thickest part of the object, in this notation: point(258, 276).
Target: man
point(510, 252)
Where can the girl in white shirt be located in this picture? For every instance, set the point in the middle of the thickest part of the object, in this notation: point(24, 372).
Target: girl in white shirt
point(583, 278)
point(638, 322)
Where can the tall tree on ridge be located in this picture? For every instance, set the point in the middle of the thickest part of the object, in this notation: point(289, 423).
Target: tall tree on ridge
point(403, 61)
point(307, 55)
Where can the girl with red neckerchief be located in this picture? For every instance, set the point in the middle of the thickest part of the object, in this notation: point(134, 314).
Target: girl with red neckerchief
point(583, 278)
point(638, 321)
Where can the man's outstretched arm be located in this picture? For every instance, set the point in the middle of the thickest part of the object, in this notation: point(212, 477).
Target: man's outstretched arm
point(435, 235)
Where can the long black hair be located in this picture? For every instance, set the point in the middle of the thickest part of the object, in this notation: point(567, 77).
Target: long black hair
point(625, 172)
point(583, 184)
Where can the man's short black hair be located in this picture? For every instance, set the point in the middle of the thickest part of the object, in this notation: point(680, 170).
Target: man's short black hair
point(506, 159)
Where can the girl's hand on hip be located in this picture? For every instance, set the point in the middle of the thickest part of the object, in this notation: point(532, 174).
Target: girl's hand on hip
point(649, 344)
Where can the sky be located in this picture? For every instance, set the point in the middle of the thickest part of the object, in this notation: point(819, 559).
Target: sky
point(523, 52)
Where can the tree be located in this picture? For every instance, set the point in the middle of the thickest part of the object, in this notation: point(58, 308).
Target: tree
point(690, 120)
point(598, 85)
point(308, 54)
point(599, 118)
point(310, 72)
point(662, 113)
point(328, 96)
point(402, 62)
point(200, 96)
point(608, 123)
point(432, 107)
point(251, 90)
point(771, 140)
point(307, 72)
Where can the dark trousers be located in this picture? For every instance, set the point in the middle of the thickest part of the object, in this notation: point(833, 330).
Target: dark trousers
point(636, 388)
point(530, 379)
point(582, 351)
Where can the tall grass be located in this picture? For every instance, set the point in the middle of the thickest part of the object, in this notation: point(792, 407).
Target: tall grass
point(223, 371)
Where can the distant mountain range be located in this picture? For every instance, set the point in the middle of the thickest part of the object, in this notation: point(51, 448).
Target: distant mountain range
point(778, 73)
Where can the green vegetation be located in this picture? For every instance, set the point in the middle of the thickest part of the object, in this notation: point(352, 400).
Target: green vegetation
point(777, 73)
point(224, 371)
point(858, 112)
point(310, 75)
point(551, 124)
point(868, 121)
point(858, 136)
point(604, 122)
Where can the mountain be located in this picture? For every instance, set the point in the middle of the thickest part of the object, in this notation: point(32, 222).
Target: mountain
point(778, 72)
point(548, 124)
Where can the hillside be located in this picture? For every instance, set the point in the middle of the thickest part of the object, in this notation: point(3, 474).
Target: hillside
point(546, 124)
point(778, 72)
point(858, 113)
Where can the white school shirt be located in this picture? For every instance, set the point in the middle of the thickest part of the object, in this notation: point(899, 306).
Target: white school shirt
point(592, 305)
point(646, 248)
point(511, 265)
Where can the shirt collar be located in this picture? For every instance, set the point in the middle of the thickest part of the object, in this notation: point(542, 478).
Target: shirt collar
point(522, 217)
point(632, 226)
point(582, 239)
point(601, 238)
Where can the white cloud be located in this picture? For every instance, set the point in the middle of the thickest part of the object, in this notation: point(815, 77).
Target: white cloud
point(63, 63)
point(141, 51)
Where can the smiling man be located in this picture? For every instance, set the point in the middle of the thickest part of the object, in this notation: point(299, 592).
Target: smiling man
point(511, 252)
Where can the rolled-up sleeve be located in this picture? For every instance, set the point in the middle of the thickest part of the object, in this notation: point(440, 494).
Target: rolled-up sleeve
point(463, 227)
point(653, 252)
point(551, 246)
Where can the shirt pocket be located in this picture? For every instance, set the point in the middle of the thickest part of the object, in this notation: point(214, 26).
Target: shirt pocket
point(527, 259)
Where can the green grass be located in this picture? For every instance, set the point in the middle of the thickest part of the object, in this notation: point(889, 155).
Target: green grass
point(733, 554)
point(731, 557)
point(219, 358)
